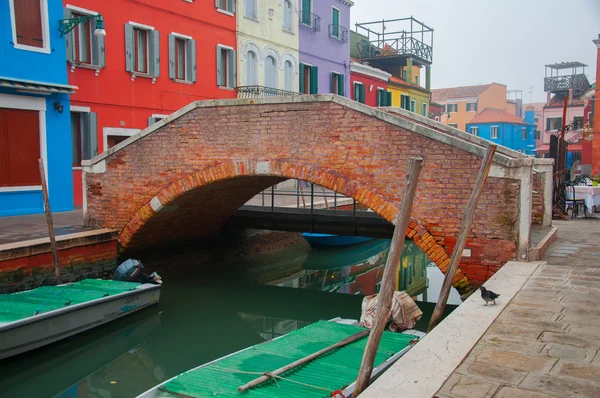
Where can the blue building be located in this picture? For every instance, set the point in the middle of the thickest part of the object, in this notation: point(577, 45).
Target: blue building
point(505, 129)
point(34, 107)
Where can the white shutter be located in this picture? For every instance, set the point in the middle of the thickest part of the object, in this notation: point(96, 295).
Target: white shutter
point(172, 57)
point(191, 60)
point(129, 53)
point(154, 53)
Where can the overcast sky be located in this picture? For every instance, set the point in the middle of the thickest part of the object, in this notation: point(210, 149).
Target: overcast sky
point(503, 41)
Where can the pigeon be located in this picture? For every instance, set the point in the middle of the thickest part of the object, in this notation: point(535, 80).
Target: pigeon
point(488, 295)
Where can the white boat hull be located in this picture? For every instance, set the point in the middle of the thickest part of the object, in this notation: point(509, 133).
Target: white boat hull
point(39, 330)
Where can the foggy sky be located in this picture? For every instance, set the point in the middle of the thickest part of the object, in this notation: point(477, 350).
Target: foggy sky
point(503, 41)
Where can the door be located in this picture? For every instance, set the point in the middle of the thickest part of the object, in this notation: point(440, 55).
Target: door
point(19, 148)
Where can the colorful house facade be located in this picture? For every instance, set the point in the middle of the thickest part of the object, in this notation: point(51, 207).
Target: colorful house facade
point(504, 128)
point(156, 58)
point(268, 41)
point(369, 85)
point(34, 108)
point(325, 46)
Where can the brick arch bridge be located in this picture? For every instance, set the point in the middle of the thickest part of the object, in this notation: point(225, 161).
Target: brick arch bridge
point(184, 176)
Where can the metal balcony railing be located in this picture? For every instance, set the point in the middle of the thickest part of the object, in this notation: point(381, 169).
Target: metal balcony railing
point(578, 83)
point(309, 20)
point(261, 92)
point(338, 32)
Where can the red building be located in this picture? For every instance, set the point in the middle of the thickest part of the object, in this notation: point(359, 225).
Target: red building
point(369, 85)
point(157, 56)
point(435, 111)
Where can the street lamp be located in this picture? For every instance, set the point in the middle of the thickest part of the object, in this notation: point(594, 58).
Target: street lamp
point(67, 25)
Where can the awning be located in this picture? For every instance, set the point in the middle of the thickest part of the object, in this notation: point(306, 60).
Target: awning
point(31, 86)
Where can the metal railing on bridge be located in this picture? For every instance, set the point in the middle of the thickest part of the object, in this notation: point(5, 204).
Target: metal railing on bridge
point(261, 92)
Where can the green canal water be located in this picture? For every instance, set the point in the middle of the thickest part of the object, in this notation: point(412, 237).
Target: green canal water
point(205, 315)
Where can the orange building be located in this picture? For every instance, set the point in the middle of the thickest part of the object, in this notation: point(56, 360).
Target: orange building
point(461, 104)
point(157, 57)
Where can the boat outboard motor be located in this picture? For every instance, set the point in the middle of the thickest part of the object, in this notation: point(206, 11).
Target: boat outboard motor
point(132, 270)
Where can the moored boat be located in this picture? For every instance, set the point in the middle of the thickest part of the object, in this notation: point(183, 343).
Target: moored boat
point(329, 240)
point(333, 373)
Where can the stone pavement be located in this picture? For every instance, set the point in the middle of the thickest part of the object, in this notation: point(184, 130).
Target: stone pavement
point(546, 342)
point(34, 226)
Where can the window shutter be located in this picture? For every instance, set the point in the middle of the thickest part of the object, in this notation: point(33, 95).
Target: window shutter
point(388, 98)
point(332, 82)
point(151, 121)
point(559, 127)
point(98, 46)
point(69, 38)
point(362, 93)
point(232, 69)
point(217, 3)
point(191, 60)
point(231, 6)
point(220, 74)
point(89, 140)
point(154, 52)
point(171, 57)
point(314, 79)
point(129, 54)
point(301, 90)
point(341, 83)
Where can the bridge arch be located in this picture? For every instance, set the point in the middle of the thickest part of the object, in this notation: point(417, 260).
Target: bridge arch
point(261, 175)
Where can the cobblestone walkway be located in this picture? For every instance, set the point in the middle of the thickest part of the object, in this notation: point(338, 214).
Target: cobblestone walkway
point(546, 341)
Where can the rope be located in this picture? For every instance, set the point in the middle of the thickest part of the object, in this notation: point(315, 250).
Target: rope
point(51, 297)
point(270, 376)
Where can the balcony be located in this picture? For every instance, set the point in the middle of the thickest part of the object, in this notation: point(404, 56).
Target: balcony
point(309, 21)
point(578, 83)
point(261, 92)
point(338, 32)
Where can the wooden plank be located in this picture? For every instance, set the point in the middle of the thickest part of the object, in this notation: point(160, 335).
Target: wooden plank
point(388, 284)
point(49, 221)
point(465, 227)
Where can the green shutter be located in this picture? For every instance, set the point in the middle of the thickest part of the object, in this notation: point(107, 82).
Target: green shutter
point(362, 94)
point(388, 99)
point(332, 81)
point(314, 79)
point(301, 90)
point(335, 22)
point(306, 10)
point(341, 84)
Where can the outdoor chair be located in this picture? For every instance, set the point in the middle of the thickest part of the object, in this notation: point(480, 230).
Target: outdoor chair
point(573, 202)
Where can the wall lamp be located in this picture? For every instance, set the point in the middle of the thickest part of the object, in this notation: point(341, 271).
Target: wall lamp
point(67, 25)
point(58, 107)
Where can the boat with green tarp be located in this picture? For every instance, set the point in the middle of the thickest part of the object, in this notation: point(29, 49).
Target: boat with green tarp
point(33, 318)
point(330, 374)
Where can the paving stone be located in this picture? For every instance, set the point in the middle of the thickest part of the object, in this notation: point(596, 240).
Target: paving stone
point(498, 373)
point(468, 387)
point(562, 387)
point(515, 360)
point(568, 352)
point(515, 331)
point(582, 341)
point(578, 371)
point(528, 313)
point(512, 344)
point(546, 326)
point(514, 392)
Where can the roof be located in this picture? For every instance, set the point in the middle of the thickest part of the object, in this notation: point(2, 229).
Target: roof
point(492, 115)
point(404, 83)
point(367, 70)
point(566, 65)
point(557, 101)
point(36, 86)
point(443, 94)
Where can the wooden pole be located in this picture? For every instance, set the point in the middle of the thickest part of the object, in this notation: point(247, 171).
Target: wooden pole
point(465, 227)
point(269, 375)
point(388, 283)
point(49, 221)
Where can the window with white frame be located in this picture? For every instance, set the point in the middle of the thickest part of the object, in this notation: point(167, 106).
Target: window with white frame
point(494, 132)
point(337, 83)
point(471, 106)
point(405, 102)
point(413, 105)
point(553, 123)
point(417, 80)
point(225, 5)
point(30, 24)
point(270, 72)
point(288, 14)
point(142, 50)
point(251, 68)
point(474, 131)
point(250, 9)
point(226, 65)
point(84, 135)
point(359, 92)
point(424, 110)
point(306, 12)
point(182, 58)
point(288, 76)
point(452, 108)
point(335, 22)
point(84, 48)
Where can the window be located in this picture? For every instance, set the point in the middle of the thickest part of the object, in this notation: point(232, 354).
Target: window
point(578, 122)
point(250, 9)
point(443, 108)
point(142, 50)
point(403, 74)
point(155, 118)
point(84, 137)
point(536, 134)
point(288, 76)
point(19, 148)
point(524, 133)
point(335, 22)
point(182, 58)
point(226, 67)
point(83, 47)
point(225, 5)
point(437, 118)
point(471, 106)
point(405, 102)
point(424, 110)
point(453, 125)
point(251, 62)
point(270, 72)
point(30, 24)
point(474, 131)
point(417, 80)
point(288, 14)
point(337, 83)
point(554, 124)
point(309, 79)
point(359, 92)
point(494, 132)
point(452, 108)
point(384, 97)
point(306, 12)
point(413, 103)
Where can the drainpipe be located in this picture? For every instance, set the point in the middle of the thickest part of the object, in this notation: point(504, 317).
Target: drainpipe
point(428, 78)
point(409, 76)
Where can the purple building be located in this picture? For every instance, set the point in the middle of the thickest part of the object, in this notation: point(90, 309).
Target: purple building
point(325, 46)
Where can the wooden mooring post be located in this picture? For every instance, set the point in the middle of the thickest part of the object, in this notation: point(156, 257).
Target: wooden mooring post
point(465, 227)
point(384, 300)
point(49, 221)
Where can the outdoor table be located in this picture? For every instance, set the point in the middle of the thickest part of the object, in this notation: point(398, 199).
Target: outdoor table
point(590, 194)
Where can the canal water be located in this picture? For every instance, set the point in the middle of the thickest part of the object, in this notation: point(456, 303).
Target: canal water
point(208, 312)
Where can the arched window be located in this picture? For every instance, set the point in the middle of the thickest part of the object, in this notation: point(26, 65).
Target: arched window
point(251, 79)
point(287, 15)
point(270, 72)
point(288, 73)
point(250, 9)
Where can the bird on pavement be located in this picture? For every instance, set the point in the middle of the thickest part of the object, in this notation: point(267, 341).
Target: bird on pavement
point(488, 295)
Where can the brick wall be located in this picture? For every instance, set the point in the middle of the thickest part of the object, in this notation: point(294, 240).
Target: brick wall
point(203, 166)
point(537, 200)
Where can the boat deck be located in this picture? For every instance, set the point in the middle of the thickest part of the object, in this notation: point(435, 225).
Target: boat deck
point(16, 306)
point(318, 378)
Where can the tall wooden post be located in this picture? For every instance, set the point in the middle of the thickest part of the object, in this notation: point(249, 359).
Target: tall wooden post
point(465, 227)
point(384, 300)
point(49, 221)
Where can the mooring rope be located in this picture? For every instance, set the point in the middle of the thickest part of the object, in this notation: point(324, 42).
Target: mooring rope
point(270, 376)
point(63, 287)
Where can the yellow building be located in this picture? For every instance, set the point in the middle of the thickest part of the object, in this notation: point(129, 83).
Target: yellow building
point(409, 96)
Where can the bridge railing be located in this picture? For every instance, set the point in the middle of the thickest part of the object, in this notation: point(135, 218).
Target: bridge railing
point(261, 92)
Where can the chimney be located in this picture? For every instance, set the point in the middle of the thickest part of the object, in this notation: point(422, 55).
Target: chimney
point(548, 94)
point(570, 95)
